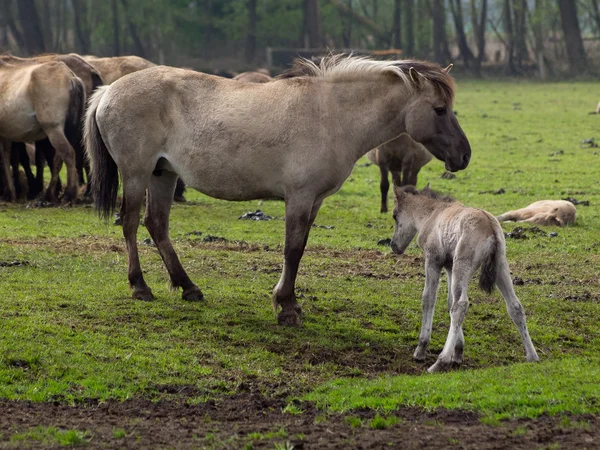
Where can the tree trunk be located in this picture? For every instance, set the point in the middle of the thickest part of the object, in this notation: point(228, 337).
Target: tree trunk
point(397, 24)
point(463, 45)
point(509, 68)
point(521, 54)
point(251, 36)
point(596, 15)
point(570, 25)
point(439, 19)
point(360, 19)
point(346, 19)
point(538, 33)
point(138, 46)
point(31, 26)
point(410, 32)
point(81, 25)
point(116, 29)
point(479, 33)
point(312, 24)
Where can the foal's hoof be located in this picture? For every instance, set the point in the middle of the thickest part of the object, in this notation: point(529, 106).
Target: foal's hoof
point(443, 366)
point(144, 295)
point(289, 318)
point(193, 294)
point(419, 355)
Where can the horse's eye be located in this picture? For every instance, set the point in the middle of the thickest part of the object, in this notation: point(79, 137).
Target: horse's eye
point(441, 110)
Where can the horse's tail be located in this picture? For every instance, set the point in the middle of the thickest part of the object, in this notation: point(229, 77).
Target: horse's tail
point(104, 171)
point(97, 80)
point(75, 112)
point(489, 265)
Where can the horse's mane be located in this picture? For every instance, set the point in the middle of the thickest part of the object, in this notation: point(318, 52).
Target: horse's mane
point(429, 193)
point(340, 65)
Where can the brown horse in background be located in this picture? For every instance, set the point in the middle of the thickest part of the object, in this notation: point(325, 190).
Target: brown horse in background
point(44, 151)
point(111, 69)
point(43, 99)
point(404, 158)
point(296, 138)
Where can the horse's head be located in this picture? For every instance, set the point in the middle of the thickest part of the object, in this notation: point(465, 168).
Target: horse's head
point(430, 118)
point(405, 229)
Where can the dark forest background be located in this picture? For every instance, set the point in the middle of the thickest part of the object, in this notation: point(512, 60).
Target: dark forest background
point(541, 38)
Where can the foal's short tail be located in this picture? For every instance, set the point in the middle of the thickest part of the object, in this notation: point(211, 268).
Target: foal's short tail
point(489, 266)
point(104, 171)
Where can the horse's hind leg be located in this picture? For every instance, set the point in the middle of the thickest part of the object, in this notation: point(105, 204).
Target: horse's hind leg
point(300, 213)
point(26, 163)
point(158, 206)
point(133, 195)
point(460, 341)
point(67, 154)
point(432, 283)
point(515, 309)
point(384, 186)
point(461, 274)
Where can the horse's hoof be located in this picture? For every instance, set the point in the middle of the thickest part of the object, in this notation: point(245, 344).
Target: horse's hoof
point(419, 356)
point(439, 366)
point(144, 295)
point(179, 199)
point(193, 294)
point(289, 318)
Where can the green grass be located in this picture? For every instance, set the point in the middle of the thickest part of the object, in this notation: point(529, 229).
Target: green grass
point(52, 436)
point(69, 330)
point(568, 385)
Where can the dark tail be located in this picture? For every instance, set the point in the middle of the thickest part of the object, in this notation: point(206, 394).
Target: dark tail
point(489, 267)
point(96, 80)
point(104, 173)
point(75, 113)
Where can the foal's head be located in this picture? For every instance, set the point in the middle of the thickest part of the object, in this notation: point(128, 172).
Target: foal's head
point(430, 117)
point(408, 204)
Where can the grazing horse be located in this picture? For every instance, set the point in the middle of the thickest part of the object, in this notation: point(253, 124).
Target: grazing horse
point(400, 156)
point(460, 240)
point(253, 77)
point(43, 99)
point(111, 69)
point(543, 212)
point(296, 138)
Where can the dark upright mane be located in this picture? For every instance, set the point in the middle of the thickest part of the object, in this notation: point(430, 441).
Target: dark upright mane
point(429, 193)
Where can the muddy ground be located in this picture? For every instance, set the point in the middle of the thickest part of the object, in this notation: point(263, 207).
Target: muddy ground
point(250, 418)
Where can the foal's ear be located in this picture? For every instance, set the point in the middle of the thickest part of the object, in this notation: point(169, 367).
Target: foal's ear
point(416, 77)
point(426, 189)
point(447, 69)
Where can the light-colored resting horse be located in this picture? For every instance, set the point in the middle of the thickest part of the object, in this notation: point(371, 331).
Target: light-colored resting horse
point(400, 156)
point(459, 239)
point(111, 69)
point(295, 138)
point(38, 100)
point(543, 212)
point(253, 77)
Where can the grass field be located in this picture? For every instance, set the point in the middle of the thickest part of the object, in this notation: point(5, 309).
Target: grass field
point(70, 335)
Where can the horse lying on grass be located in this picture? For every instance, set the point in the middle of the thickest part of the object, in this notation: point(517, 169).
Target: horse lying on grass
point(460, 240)
point(544, 212)
point(296, 138)
point(404, 158)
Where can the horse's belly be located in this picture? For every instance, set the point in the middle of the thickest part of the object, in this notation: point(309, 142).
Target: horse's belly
point(21, 126)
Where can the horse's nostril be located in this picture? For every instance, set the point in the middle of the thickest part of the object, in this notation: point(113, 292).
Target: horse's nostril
point(466, 159)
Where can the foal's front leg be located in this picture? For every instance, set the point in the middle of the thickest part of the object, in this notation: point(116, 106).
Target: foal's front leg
point(432, 283)
point(299, 216)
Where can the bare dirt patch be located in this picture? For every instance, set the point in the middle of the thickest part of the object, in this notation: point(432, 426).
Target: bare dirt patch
point(234, 422)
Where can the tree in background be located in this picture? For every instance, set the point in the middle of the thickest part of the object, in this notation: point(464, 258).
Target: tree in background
point(570, 25)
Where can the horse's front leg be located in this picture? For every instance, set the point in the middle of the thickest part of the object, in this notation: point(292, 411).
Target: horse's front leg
point(432, 283)
point(299, 216)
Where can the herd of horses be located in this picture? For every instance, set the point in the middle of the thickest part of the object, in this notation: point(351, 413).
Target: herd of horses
point(294, 137)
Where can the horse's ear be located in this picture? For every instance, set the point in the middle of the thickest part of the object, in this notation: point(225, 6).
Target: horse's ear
point(397, 191)
point(447, 69)
point(416, 77)
point(426, 189)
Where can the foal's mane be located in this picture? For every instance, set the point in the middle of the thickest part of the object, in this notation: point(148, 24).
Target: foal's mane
point(337, 66)
point(429, 193)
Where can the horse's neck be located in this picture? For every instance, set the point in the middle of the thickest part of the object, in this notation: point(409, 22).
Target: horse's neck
point(367, 113)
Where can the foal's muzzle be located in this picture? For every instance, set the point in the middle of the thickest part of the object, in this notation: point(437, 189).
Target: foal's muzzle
point(395, 248)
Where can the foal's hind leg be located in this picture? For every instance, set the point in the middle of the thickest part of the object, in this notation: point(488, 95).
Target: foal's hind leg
point(461, 274)
point(460, 341)
point(133, 195)
point(515, 309)
point(432, 283)
point(158, 206)
point(300, 214)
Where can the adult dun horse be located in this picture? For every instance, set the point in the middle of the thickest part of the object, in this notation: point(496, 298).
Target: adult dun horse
point(38, 100)
point(296, 138)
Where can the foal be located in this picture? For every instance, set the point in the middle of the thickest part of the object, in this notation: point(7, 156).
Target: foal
point(459, 239)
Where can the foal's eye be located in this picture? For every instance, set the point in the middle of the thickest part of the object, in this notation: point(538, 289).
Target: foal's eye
point(441, 110)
